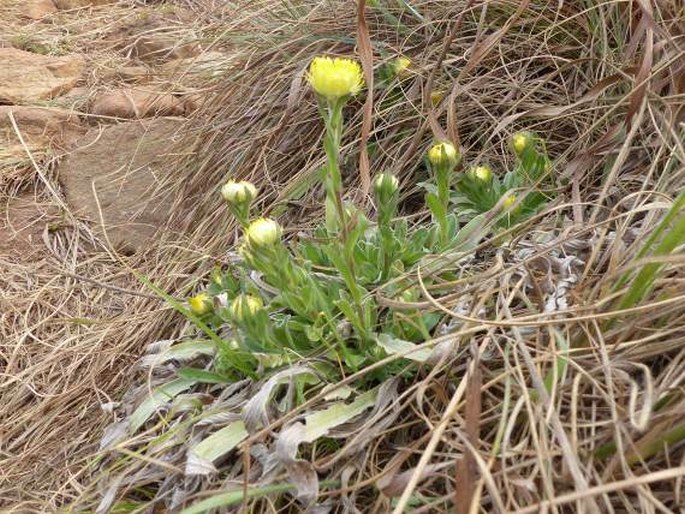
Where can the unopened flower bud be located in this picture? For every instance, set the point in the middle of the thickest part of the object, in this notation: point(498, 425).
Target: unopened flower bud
point(401, 65)
point(239, 193)
point(262, 232)
point(244, 307)
point(386, 185)
point(436, 97)
point(520, 141)
point(200, 304)
point(482, 173)
point(443, 154)
point(509, 201)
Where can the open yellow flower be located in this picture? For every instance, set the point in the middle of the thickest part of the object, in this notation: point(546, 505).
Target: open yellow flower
point(200, 304)
point(335, 78)
point(442, 153)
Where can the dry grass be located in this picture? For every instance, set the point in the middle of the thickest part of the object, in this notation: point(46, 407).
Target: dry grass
point(602, 83)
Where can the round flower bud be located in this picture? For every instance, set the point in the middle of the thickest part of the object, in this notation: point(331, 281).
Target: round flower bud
point(442, 154)
point(482, 173)
point(200, 304)
point(335, 78)
point(401, 65)
point(385, 185)
point(509, 201)
point(262, 232)
point(239, 192)
point(520, 141)
point(436, 97)
point(245, 307)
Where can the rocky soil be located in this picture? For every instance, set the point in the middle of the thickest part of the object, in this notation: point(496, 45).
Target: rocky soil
point(93, 95)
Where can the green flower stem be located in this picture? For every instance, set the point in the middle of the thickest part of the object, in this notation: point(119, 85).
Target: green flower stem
point(442, 179)
point(333, 117)
point(333, 182)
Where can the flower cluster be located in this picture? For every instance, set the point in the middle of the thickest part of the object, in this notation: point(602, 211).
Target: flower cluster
point(318, 294)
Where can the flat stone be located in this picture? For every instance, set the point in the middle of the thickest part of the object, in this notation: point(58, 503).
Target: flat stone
point(38, 9)
point(26, 77)
point(136, 103)
point(40, 127)
point(118, 174)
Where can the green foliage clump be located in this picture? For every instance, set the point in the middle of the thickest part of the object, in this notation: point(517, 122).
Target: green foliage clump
point(318, 297)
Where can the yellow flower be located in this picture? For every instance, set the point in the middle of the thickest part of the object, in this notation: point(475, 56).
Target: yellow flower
point(482, 173)
point(520, 142)
point(262, 232)
point(245, 306)
point(239, 192)
point(509, 201)
point(442, 153)
point(200, 304)
point(335, 78)
point(401, 64)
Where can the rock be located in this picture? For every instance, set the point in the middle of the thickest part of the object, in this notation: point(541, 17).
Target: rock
point(160, 47)
point(26, 77)
point(135, 103)
point(78, 4)
point(75, 99)
point(38, 9)
point(129, 74)
point(40, 127)
point(123, 166)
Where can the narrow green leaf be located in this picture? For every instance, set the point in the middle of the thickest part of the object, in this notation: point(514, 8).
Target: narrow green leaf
point(319, 423)
point(201, 375)
point(157, 399)
point(221, 442)
point(393, 345)
point(235, 497)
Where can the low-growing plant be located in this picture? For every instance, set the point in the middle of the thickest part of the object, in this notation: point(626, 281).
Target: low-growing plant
point(314, 296)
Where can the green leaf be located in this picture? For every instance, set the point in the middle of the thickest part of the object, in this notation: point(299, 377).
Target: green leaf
point(200, 375)
point(219, 443)
point(395, 346)
point(189, 350)
point(235, 497)
point(156, 400)
point(319, 424)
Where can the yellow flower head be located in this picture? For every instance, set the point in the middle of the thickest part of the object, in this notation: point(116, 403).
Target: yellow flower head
point(520, 142)
point(335, 78)
point(245, 306)
point(262, 232)
point(401, 65)
point(239, 192)
point(443, 153)
point(509, 201)
point(200, 304)
point(483, 173)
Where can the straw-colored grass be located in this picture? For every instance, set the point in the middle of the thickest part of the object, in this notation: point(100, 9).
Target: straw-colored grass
point(556, 394)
